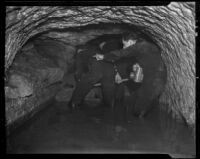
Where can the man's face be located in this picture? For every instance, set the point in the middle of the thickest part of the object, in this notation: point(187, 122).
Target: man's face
point(127, 43)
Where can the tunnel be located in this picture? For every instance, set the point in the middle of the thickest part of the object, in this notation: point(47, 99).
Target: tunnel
point(41, 41)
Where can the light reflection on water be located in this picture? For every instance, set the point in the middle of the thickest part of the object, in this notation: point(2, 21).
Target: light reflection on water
point(56, 130)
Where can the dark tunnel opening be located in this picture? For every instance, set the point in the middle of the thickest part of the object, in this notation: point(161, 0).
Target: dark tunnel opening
point(45, 64)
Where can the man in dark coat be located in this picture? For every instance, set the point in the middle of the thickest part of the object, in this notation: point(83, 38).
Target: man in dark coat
point(110, 79)
point(90, 72)
point(102, 44)
point(149, 58)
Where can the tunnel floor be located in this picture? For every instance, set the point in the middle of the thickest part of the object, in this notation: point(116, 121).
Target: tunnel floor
point(56, 130)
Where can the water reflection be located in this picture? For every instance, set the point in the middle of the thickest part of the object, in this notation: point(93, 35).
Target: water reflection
point(55, 130)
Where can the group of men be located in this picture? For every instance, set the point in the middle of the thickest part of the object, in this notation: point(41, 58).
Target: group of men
point(130, 61)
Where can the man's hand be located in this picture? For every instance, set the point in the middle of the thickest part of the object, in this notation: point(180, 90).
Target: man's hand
point(118, 78)
point(99, 57)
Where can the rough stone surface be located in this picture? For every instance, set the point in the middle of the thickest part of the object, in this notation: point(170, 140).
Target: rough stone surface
point(68, 85)
point(16, 109)
point(61, 54)
point(19, 87)
point(32, 80)
point(172, 27)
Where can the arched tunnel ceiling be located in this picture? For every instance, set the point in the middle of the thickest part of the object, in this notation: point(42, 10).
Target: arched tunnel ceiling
point(172, 27)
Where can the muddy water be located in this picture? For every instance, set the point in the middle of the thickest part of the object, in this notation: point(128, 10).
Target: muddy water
point(56, 130)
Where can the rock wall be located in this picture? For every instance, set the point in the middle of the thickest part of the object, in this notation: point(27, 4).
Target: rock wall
point(35, 76)
point(172, 27)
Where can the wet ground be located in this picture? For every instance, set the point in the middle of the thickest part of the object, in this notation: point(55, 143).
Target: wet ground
point(56, 130)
